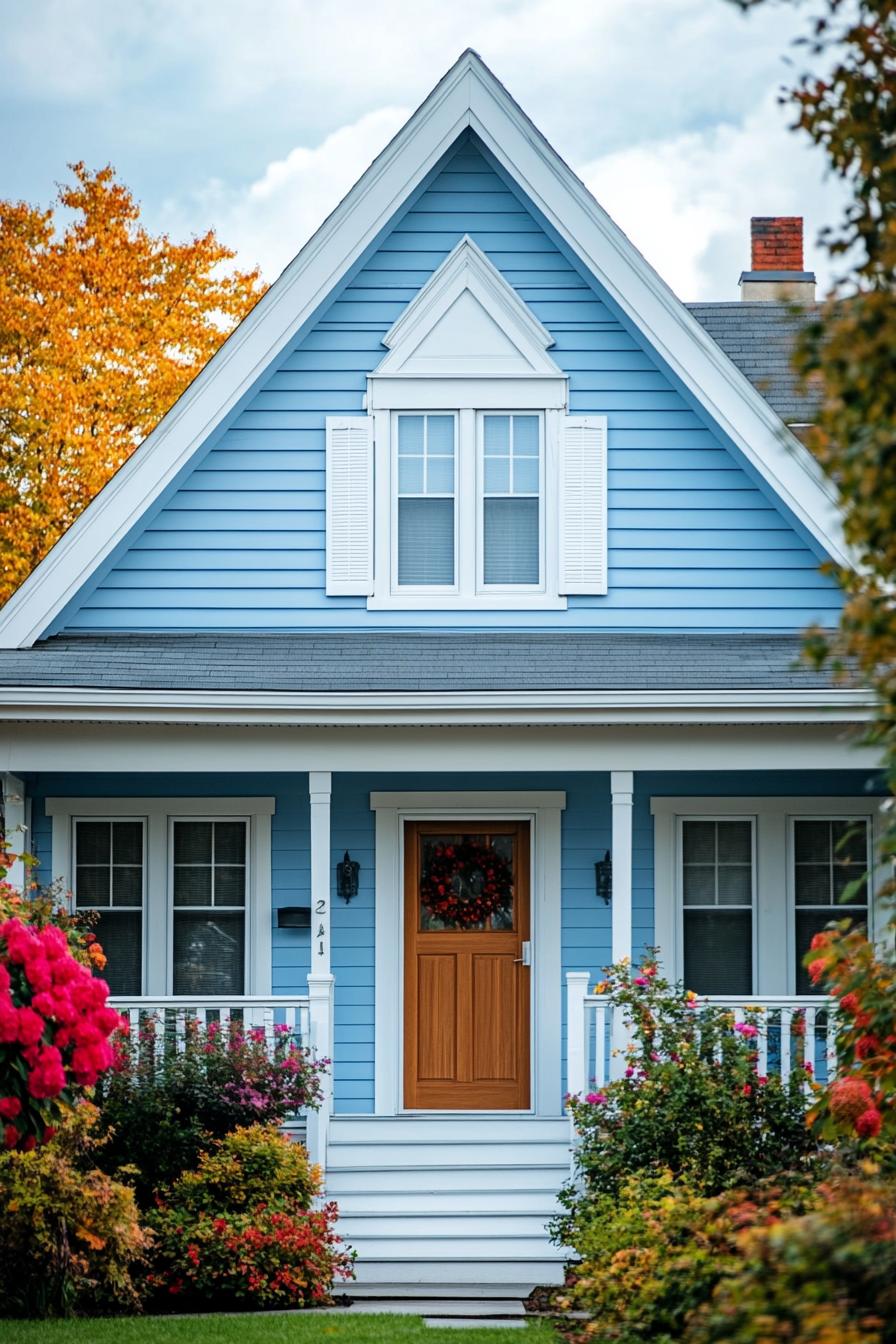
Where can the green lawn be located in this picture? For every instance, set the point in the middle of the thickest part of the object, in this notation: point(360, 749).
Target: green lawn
point(262, 1329)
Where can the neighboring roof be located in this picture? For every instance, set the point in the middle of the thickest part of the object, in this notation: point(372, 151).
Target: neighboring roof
point(342, 663)
point(468, 97)
point(760, 339)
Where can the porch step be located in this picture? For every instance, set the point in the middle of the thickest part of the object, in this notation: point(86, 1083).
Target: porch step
point(462, 1199)
point(451, 1201)
point(505, 1293)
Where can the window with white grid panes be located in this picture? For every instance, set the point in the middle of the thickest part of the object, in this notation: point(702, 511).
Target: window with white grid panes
point(511, 510)
point(208, 893)
point(109, 878)
point(717, 900)
point(426, 480)
point(831, 857)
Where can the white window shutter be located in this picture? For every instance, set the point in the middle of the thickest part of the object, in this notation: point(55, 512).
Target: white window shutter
point(583, 504)
point(349, 469)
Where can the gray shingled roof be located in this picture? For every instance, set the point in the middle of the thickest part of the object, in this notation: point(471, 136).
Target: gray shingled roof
point(413, 662)
point(759, 338)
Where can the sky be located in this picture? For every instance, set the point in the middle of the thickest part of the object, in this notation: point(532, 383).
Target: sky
point(254, 117)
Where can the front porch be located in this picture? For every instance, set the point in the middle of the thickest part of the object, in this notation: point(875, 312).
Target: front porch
point(463, 1184)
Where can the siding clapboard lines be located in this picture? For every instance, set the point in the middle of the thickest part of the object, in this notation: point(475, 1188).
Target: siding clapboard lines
point(693, 543)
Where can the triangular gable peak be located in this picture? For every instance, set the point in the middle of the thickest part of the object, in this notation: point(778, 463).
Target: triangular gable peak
point(464, 340)
point(469, 97)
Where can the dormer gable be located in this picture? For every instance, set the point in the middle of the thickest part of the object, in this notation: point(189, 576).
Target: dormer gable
point(467, 322)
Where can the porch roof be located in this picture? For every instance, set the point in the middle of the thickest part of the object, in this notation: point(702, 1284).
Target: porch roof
point(412, 662)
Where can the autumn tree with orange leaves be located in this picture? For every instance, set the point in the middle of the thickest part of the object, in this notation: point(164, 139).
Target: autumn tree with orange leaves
point(102, 326)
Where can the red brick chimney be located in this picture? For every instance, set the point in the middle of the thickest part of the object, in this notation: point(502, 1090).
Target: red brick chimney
point(776, 260)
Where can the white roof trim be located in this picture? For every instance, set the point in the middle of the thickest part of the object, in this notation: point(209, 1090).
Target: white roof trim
point(394, 708)
point(469, 95)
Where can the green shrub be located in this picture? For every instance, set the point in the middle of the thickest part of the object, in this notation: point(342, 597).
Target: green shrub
point(239, 1232)
point(652, 1252)
point(690, 1102)
point(826, 1277)
point(160, 1104)
point(70, 1239)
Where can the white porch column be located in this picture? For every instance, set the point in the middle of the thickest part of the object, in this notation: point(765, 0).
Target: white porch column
point(622, 793)
point(320, 979)
point(576, 1069)
point(15, 826)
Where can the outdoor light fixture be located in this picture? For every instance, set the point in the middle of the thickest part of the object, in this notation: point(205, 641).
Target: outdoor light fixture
point(347, 877)
point(294, 917)
point(603, 878)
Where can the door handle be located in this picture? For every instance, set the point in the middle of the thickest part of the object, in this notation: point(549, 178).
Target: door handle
point(526, 958)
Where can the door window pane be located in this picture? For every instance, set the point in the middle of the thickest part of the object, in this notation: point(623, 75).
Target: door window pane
point(426, 489)
point(831, 857)
point(109, 879)
point(466, 882)
point(717, 895)
point(511, 507)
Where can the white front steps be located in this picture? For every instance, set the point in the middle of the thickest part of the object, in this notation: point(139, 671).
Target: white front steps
point(437, 1201)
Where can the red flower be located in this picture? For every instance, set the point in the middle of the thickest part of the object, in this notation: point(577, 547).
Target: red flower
point(868, 1123)
point(819, 940)
point(849, 1003)
point(31, 1026)
point(850, 1097)
point(817, 969)
point(10, 1107)
point(10, 1136)
point(866, 1045)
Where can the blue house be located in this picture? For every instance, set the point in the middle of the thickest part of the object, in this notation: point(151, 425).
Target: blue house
point(437, 648)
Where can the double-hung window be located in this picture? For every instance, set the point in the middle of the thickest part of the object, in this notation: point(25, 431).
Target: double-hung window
point(425, 501)
point(741, 885)
point(831, 856)
point(511, 504)
point(717, 898)
point(110, 880)
point(181, 888)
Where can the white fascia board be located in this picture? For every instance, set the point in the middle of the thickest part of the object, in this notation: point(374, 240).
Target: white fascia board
point(322, 709)
point(469, 95)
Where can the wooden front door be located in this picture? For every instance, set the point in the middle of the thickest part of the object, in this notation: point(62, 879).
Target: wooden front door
point(466, 987)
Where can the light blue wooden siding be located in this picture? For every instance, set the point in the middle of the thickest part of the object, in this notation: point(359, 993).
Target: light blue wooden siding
point(694, 543)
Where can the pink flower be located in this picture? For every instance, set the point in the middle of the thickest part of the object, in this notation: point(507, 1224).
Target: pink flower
point(10, 1107)
point(746, 1029)
point(629, 1073)
point(596, 1098)
point(30, 1026)
point(868, 1123)
point(641, 981)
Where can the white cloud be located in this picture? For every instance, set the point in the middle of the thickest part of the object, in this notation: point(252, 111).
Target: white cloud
point(269, 221)
point(686, 201)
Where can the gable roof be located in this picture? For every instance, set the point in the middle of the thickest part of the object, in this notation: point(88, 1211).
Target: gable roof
point(467, 97)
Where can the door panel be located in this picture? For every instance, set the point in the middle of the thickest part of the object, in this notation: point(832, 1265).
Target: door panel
point(467, 993)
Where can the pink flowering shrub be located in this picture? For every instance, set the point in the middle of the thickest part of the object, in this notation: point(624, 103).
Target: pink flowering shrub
point(55, 1022)
point(691, 1100)
point(160, 1105)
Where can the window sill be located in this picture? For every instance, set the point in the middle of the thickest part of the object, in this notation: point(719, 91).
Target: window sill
point(500, 602)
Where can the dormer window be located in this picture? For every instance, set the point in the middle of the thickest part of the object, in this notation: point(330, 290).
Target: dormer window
point(467, 485)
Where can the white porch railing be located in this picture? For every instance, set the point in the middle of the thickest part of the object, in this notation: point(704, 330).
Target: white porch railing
point(791, 1033)
point(166, 1017)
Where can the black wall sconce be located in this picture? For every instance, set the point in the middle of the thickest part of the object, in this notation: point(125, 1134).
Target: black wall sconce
point(603, 878)
point(294, 917)
point(347, 877)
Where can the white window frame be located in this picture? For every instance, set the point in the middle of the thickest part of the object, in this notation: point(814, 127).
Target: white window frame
point(774, 969)
point(679, 885)
point(469, 593)
point(158, 813)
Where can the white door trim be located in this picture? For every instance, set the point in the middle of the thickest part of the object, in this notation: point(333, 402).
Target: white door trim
point(543, 810)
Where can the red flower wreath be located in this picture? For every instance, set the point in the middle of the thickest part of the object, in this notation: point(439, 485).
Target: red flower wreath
point(466, 883)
